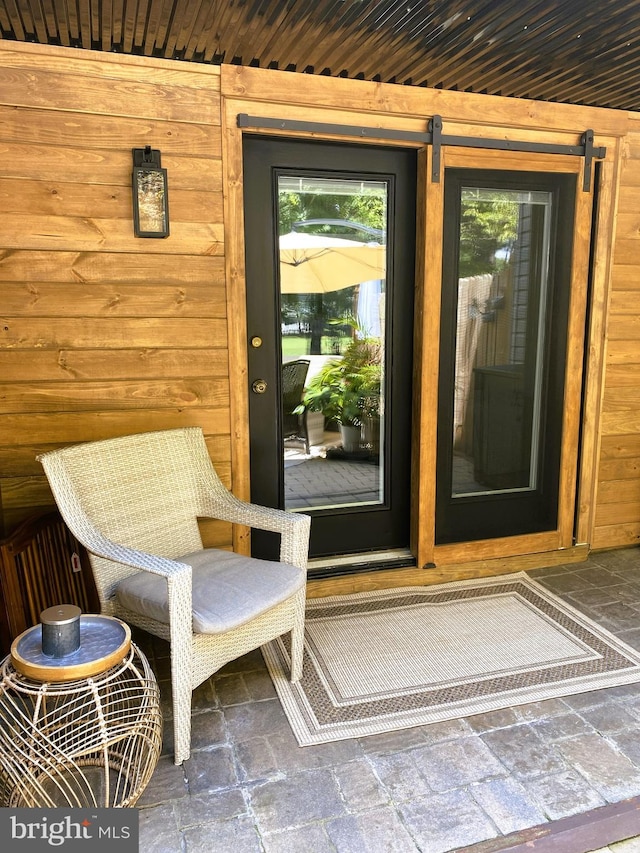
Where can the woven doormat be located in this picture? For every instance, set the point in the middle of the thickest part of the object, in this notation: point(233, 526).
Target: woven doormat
point(381, 661)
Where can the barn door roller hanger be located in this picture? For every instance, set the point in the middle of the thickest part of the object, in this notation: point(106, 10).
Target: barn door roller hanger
point(436, 138)
point(585, 148)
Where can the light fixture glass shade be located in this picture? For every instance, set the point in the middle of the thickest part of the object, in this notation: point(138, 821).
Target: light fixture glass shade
point(150, 196)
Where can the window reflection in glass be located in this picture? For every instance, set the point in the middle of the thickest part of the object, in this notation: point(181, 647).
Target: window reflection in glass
point(502, 295)
point(332, 275)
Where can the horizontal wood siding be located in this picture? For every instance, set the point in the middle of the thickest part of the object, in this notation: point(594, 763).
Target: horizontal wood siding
point(617, 514)
point(101, 333)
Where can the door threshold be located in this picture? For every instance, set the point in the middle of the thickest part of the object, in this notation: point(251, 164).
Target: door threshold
point(367, 561)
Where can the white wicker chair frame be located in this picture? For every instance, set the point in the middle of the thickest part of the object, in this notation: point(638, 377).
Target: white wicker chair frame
point(134, 503)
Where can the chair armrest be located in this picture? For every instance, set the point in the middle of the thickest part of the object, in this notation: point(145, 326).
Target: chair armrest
point(178, 575)
point(101, 546)
point(294, 528)
point(216, 501)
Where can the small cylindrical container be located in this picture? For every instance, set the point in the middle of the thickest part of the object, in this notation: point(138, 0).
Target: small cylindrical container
point(60, 630)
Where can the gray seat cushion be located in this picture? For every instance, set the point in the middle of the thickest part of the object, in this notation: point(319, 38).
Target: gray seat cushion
point(228, 590)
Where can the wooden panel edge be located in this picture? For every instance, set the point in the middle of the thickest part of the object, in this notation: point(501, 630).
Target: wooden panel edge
point(233, 207)
point(574, 362)
point(490, 549)
point(430, 359)
point(67, 58)
point(392, 578)
point(262, 84)
point(597, 343)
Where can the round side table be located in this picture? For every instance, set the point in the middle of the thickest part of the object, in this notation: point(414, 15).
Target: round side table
point(81, 730)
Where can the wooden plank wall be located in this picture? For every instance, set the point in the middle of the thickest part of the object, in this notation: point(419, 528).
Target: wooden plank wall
point(102, 333)
point(617, 515)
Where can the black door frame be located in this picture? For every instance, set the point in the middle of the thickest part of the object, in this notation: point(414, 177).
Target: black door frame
point(474, 517)
point(357, 529)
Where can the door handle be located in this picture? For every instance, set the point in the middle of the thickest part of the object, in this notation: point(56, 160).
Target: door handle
point(259, 386)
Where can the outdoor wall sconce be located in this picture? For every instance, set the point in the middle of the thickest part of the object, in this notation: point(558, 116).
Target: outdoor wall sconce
point(150, 199)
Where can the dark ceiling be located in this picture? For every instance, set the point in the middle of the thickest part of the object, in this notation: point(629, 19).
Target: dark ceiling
point(571, 51)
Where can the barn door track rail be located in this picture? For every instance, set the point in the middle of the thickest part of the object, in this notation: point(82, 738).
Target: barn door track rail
point(435, 137)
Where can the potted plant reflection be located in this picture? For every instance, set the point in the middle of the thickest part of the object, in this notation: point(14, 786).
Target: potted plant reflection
point(347, 391)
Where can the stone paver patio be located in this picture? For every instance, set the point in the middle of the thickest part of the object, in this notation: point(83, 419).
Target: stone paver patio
point(249, 788)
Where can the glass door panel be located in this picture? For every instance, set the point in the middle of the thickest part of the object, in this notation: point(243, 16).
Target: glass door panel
point(332, 287)
point(504, 317)
point(330, 248)
point(503, 268)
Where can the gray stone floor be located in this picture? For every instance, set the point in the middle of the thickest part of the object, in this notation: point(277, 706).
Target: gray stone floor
point(249, 787)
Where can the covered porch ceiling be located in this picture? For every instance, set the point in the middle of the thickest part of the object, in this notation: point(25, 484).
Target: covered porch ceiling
point(570, 51)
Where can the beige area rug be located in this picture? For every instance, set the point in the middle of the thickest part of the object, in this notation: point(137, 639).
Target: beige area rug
point(381, 661)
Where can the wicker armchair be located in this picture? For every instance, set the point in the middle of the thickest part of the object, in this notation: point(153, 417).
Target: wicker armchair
point(294, 424)
point(134, 503)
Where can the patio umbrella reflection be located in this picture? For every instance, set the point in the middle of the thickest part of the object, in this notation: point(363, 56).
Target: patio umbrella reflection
point(313, 263)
